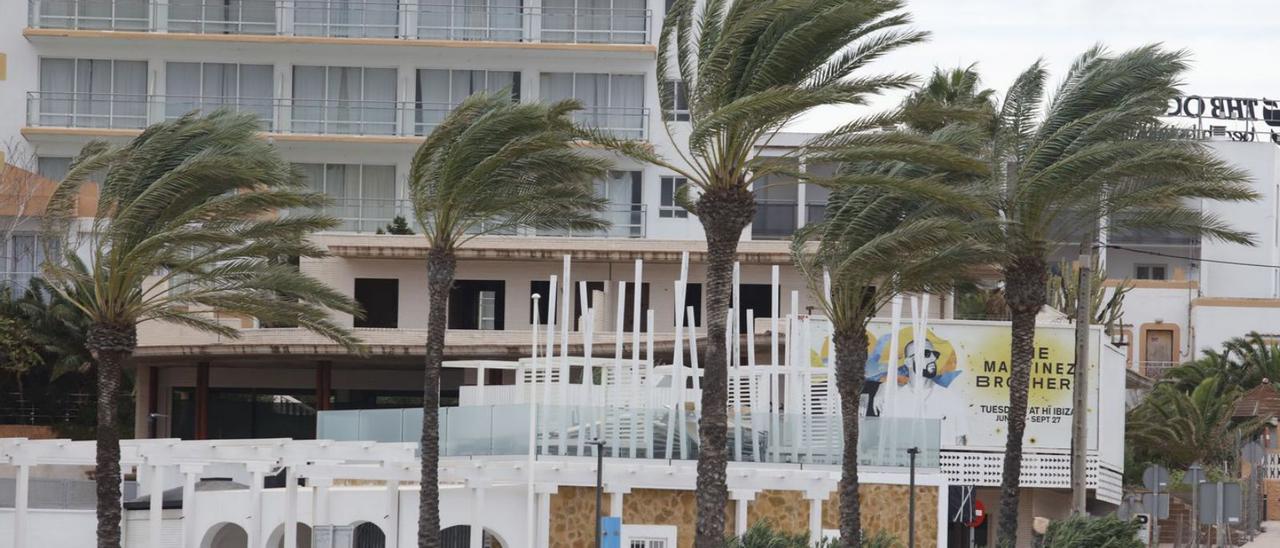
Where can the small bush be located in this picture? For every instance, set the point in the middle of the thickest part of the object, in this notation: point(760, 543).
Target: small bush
point(762, 535)
point(1103, 532)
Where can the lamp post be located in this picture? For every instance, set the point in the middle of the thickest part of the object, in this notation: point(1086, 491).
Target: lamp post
point(911, 499)
point(599, 445)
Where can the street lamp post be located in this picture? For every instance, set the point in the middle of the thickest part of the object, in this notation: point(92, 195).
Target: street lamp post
point(911, 500)
point(599, 445)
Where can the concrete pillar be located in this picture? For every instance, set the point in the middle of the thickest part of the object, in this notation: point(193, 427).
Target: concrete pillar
point(156, 508)
point(190, 536)
point(741, 499)
point(393, 513)
point(291, 507)
point(21, 496)
point(321, 500)
point(257, 472)
point(815, 499)
point(615, 499)
point(543, 534)
point(477, 516)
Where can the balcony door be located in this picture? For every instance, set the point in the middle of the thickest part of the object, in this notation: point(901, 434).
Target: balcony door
point(612, 102)
point(344, 100)
point(439, 90)
point(95, 93)
point(364, 196)
point(209, 86)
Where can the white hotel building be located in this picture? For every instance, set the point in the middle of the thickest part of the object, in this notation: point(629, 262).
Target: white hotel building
point(346, 89)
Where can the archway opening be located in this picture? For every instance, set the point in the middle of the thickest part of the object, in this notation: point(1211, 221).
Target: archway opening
point(369, 535)
point(225, 535)
point(459, 536)
point(276, 540)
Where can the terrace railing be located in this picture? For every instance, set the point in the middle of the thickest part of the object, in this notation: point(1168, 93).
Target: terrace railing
point(308, 116)
point(367, 215)
point(495, 20)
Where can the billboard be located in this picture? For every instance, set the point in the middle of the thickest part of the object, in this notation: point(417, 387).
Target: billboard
point(958, 372)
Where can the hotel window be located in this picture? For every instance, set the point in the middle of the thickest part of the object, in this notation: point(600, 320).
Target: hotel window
point(816, 195)
point(347, 19)
point(209, 86)
point(380, 299)
point(439, 90)
point(477, 304)
point(777, 200)
point(612, 102)
point(594, 21)
point(675, 105)
point(345, 100)
point(21, 256)
point(223, 16)
point(496, 20)
point(1151, 272)
point(53, 167)
point(670, 188)
point(99, 93)
point(364, 196)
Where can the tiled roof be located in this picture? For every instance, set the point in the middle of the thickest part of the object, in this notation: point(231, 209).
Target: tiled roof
point(1260, 401)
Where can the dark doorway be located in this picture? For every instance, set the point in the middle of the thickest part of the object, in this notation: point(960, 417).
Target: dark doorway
point(380, 299)
point(629, 307)
point(477, 304)
point(757, 298)
point(692, 297)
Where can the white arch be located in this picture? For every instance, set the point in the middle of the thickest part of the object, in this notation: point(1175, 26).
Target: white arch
point(225, 535)
point(497, 540)
point(276, 539)
point(360, 542)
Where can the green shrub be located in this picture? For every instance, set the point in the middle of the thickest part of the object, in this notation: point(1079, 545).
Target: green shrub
point(1103, 532)
point(762, 535)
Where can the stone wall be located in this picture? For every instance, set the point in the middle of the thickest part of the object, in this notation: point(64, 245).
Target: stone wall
point(31, 432)
point(1271, 489)
point(884, 508)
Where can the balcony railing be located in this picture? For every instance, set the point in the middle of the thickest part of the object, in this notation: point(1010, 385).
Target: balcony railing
point(367, 215)
point(311, 116)
point(1156, 370)
point(427, 20)
point(644, 433)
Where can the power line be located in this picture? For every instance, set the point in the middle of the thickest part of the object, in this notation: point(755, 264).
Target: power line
point(1196, 259)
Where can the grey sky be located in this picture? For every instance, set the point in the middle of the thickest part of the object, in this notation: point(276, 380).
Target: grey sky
point(1235, 44)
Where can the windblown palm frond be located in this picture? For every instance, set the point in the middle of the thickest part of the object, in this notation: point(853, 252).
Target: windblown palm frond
point(1082, 160)
point(56, 325)
point(494, 165)
point(188, 227)
point(1179, 428)
point(188, 223)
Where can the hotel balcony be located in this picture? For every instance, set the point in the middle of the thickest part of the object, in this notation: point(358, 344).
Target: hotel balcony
point(367, 215)
point(489, 21)
point(122, 111)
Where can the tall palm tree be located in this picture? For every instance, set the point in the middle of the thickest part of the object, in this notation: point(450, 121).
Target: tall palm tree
point(1092, 153)
point(890, 228)
point(748, 67)
point(948, 94)
point(185, 225)
point(491, 166)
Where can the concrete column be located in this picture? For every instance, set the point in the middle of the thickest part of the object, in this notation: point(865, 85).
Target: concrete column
point(257, 473)
point(393, 513)
point(190, 536)
point(21, 496)
point(477, 516)
point(815, 513)
point(615, 499)
point(543, 534)
point(741, 500)
point(291, 507)
point(156, 508)
point(321, 500)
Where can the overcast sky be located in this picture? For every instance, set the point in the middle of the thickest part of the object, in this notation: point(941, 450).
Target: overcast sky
point(1234, 44)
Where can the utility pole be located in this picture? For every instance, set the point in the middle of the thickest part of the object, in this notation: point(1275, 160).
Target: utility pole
point(1080, 384)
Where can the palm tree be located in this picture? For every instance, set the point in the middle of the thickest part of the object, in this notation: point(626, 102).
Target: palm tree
point(185, 225)
point(879, 240)
point(492, 165)
point(748, 67)
point(949, 94)
point(1179, 428)
point(1093, 152)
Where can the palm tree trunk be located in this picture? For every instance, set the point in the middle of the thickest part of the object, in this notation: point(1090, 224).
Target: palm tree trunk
point(851, 373)
point(724, 212)
point(441, 265)
point(110, 346)
point(1025, 296)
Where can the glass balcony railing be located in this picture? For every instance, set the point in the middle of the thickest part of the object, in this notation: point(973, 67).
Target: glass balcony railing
point(492, 20)
point(367, 215)
point(308, 116)
point(657, 433)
